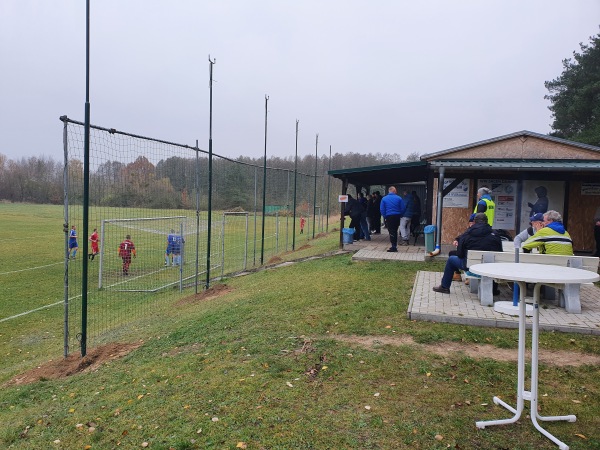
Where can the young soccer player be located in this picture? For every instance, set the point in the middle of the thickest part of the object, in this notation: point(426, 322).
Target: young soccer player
point(126, 249)
point(95, 241)
point(73, 246)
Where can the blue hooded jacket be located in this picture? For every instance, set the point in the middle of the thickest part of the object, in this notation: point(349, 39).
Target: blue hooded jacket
point(391, 205)
point(410, 205)
point(557, 226)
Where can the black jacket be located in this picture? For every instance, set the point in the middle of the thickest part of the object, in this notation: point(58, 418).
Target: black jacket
point(479, 237)
point(354, 209)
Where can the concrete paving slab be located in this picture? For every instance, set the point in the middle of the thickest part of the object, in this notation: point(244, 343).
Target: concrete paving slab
point(462, 307)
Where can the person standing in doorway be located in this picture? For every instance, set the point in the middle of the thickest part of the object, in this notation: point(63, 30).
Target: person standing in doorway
point(416, 217)
point(392, 207)
point(406, 218)
point(370, 213)
point(376, 212)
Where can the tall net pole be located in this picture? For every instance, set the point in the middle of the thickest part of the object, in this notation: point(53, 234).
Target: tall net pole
point(210, 161)
point(66, 230)
point(295, 187)
point(315, 193)
point(328, 193)
point(86, 185)
point(255, 209)
point(264, 205)
point(197, 186)
point(287, 207)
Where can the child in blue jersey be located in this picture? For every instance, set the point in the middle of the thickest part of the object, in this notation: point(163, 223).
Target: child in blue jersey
point(73, 246)
point(169, 251)
point(176, 249)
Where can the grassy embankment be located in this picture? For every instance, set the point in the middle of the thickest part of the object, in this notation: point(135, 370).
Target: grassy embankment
point(286, 359)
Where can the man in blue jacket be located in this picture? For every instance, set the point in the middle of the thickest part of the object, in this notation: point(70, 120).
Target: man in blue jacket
point(406, 218)
point(392, 207)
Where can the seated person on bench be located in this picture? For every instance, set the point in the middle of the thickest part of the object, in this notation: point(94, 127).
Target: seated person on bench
point(480, 236)
point(552, 238)
point(457, 276)
point(536, 224)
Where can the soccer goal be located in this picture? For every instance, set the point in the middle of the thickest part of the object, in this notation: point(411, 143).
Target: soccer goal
point(138, 254)
point(234, 241)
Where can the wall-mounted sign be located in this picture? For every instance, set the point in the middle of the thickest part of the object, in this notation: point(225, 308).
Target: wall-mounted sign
point(457, 197)
point(590, 188)
point(504, 195)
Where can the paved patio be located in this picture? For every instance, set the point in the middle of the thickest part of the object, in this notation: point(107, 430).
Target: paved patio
point(462, 307)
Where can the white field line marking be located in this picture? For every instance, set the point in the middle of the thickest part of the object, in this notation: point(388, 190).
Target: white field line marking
point(30, 268)
point(37, 309)
point(24, 238)
point(61, 302)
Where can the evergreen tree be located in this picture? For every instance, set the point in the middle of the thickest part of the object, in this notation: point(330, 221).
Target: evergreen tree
point(575, 96)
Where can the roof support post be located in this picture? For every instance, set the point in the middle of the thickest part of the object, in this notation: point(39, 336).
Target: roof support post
point(342, 209)
point(438, 218)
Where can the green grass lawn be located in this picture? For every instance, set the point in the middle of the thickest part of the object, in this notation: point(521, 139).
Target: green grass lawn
point(32, 270)
point(277, 363)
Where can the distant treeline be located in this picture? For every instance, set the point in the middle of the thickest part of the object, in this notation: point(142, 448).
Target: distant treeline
point(170, 183)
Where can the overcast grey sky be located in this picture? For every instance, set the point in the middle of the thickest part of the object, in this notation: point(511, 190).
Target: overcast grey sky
point(368, 76)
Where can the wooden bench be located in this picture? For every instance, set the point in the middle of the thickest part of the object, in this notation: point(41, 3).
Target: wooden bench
point(569, 293)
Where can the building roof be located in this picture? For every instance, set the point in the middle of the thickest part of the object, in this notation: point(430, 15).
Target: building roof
point(519, 164)
point(523, 133)
point(464, 166)
point(385, 174)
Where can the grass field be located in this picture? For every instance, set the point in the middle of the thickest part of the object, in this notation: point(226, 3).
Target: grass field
point(280, 361)
point(33, 268)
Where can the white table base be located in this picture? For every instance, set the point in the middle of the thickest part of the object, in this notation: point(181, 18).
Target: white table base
point(522, 394)
point(510, 309)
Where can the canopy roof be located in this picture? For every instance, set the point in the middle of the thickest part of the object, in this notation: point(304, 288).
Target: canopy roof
point(385, 175)
point(517, 155)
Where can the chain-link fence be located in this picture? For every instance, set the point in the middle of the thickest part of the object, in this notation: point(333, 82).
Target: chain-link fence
point(148, 207)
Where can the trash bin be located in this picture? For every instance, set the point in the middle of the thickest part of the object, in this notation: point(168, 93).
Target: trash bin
point(429, 232)
point(347, 235)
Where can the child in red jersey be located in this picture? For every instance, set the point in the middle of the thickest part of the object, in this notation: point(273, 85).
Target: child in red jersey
point(95, 242)
point(126, 249)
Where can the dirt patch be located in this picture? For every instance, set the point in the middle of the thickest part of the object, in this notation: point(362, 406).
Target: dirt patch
point(304, 247)
point(275, 260)
point(210, 293)
point(74, 364)
point(320, 235)
point(550, 357)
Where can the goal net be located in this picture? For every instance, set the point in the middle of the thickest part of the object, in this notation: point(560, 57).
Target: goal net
point(145, 254)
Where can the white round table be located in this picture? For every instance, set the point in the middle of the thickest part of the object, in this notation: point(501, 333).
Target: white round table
point(538, 274)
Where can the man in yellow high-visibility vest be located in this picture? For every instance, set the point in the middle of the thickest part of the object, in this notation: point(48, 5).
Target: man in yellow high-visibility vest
point(485, 204)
